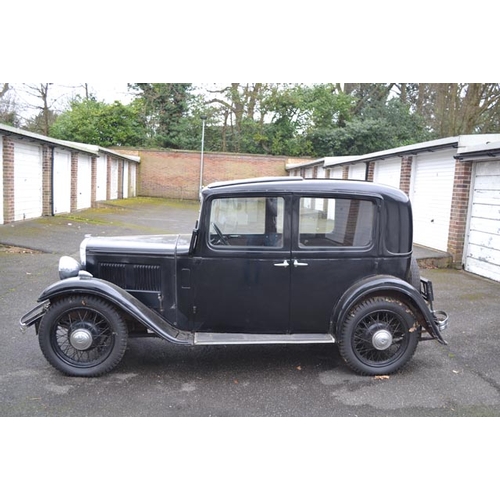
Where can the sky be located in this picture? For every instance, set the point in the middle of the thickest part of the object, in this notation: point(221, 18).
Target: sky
point(110, 92)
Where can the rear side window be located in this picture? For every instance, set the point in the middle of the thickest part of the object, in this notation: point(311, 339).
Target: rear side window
point(335, 222)
point(247, 222)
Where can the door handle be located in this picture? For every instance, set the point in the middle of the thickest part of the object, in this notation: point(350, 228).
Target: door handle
point(296, 263)
point(285, 263)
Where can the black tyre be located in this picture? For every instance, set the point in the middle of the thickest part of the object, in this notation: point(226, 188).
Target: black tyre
point(83, 336)
point(378, 337)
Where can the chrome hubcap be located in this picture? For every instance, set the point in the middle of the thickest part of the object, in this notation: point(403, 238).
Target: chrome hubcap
point(382, 339)
point(80, 339)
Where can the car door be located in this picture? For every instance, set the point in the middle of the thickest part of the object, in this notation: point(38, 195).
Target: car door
point(242, 275)
point(333, 246)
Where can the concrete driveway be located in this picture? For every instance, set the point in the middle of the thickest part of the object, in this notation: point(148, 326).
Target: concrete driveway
point(158, 379)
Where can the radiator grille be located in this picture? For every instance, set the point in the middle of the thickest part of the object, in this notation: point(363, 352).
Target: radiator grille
point(115, 273)
point(147, 278)
point(141, 277)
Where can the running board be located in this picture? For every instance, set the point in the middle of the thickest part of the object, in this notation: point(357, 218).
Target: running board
point(202, 338)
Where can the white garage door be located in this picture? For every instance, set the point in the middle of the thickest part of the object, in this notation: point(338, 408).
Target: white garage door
point(84, 182)
point(388, 172)
point(133, 180)
point(28, 181)
point(1, 180)
point(431, 194)
point(125, 179)
point(320, 173)
point(483, 248)
point(62, 181)
point(336, 173)
point(357, 172)
point(101, 177)
point(114, 180)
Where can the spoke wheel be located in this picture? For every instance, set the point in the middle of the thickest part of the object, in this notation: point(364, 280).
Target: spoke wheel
point(377, 337)
point(83, 336)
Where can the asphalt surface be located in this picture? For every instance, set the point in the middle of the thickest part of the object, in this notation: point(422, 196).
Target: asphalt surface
point(156, 378)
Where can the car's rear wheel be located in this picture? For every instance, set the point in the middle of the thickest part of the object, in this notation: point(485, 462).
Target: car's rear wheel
point(378, 337)
point(83, 336)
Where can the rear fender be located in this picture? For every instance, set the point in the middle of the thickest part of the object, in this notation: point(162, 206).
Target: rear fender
point(388, 286)
point(123, 300)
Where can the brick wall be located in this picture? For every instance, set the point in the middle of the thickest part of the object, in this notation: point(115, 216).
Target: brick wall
point(176, 174)
point(47, 153)
point(459, 210)
point(120, 179)
point(93, 181)
point(108, 177)
point(405, 178)
point(74, 181)
point(8, 180)
point(371, 171)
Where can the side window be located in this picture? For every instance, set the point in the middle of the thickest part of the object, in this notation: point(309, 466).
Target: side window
point(247, 222)
point(335, 222)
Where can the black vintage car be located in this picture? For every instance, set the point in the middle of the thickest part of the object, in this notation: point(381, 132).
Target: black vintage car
point(270, 261)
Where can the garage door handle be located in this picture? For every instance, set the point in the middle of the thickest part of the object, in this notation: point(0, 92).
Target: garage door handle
point(296, 263)
point(285, 263)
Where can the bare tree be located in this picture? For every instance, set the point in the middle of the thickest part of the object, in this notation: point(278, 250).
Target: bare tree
point(451, 109)
point(4, 90)
point(41, 91)
point(238, 102)
point(8, 108)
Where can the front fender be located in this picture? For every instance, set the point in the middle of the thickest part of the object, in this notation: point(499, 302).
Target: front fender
point(122, 300)
point(392, 287)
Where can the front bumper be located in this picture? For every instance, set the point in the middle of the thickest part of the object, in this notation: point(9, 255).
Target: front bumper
point(33, 316)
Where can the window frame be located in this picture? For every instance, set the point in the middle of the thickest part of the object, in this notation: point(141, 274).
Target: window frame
point(371, 248)
point(251, 249)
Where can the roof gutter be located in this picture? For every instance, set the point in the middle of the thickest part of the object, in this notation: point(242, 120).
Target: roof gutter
point(388, 154)
point(46, 140)
point(478, 155)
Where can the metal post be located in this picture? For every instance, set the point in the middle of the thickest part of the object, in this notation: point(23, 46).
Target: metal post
point(203, 118)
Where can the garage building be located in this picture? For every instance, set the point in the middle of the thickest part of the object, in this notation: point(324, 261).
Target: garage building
point(43, 176)
point(454, 187)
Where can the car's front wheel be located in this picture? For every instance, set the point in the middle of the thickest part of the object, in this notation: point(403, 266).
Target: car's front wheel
point(82, 336)
point(378, 337)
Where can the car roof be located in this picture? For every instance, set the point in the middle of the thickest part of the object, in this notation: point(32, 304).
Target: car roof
point(296, 184)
